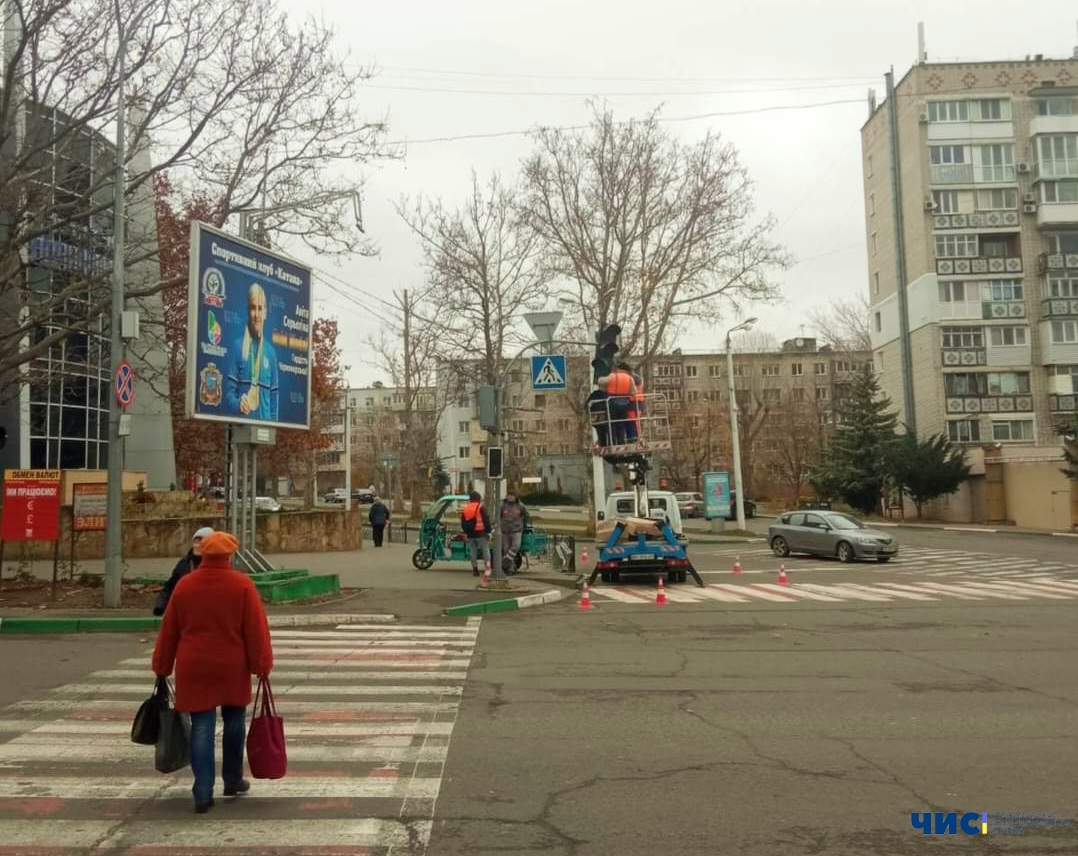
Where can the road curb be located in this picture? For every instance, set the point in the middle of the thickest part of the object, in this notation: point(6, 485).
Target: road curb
point(508, 604)
point(121, 624)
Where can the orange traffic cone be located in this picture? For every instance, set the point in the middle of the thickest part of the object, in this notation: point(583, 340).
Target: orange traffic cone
point(585, 599)
point(783, 581)
point(737, 564)
point(660, 595)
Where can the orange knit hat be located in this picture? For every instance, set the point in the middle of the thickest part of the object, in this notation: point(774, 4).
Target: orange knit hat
point(220, 544)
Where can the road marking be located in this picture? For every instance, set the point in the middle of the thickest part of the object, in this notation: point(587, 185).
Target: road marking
point(286, 676)
point(750, 591)
point(161, 787)
point(799, 590)
point(854, 593)
point(1020, 588)
point(712, 593)
point(282, 691)
point(909, 595)
point(970, 589)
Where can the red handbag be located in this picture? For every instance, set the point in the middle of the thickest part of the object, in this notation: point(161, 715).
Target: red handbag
point(266, 755)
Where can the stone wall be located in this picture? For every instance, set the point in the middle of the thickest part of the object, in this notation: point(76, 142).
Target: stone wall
point(149, 537)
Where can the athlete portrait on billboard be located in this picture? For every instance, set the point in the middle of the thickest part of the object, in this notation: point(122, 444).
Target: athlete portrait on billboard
point(252, 387)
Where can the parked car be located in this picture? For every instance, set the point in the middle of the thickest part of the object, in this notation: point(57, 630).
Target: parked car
point(267, 503)
point(750, 507)
point(690, 504)
point(623, 504)
point(363, 496)
point(829, 533)
point(338, 494)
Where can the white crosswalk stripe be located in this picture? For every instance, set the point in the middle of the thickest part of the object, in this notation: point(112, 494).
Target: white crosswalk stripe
point(369, 712)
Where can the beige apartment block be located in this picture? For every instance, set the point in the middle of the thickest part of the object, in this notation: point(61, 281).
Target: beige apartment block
point(987, 158)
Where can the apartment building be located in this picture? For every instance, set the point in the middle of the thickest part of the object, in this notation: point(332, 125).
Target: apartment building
point(785, 396)
point(987, 161)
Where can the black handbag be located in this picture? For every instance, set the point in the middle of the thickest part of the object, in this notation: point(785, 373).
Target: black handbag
point(172, 751)
point(147, 723)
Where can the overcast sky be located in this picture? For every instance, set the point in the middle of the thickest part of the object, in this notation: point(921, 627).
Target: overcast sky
point(474, 67)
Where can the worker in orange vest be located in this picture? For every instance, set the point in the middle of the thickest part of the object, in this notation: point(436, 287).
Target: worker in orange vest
point(636, 401)
point(620, 389)
point(475, 523)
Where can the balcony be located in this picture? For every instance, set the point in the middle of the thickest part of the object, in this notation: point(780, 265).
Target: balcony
point(978, 220)
point(1050, 262)
point(953, 357)
point(1062, 403)
point(979, 265)
point(989, 404)
point(666, 382)
point(1053, 125)
point(1060, 306)
point(1003, 309)
point(1057, 214)
point(967, 173)
point(1056, 168)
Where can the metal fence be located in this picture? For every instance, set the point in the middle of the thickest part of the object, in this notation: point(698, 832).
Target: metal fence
point(396, 533)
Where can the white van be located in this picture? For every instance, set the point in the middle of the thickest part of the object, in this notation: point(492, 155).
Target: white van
point(623, 504)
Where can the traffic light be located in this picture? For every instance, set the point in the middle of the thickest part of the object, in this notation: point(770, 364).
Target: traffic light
point(606, 346)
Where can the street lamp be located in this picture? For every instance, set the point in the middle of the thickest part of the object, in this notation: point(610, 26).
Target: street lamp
point(738, 486)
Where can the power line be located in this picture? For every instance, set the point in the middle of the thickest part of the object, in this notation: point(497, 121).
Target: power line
point(507, 75)
point(517, 93)
point(497, 134)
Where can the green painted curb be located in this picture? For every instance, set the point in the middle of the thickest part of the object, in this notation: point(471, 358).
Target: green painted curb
point(277, 576)
point(87, 625)
point(74, 624)
point(484, 608)
point(299, 588)
point(147, 581)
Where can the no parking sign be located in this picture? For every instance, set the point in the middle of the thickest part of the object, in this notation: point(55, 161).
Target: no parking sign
point(125, 384)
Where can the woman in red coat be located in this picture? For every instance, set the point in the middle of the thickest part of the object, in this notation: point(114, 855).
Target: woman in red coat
point(216, 635)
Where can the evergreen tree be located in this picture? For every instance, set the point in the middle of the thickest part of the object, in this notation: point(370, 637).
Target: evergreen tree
point(440, 479)
point(1070, 449)
point(856, 465)
point(926, 469)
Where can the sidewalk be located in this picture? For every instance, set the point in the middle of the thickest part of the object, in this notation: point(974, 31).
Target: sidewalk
point(373, 581)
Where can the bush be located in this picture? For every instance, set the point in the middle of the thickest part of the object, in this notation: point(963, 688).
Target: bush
point(547, 497)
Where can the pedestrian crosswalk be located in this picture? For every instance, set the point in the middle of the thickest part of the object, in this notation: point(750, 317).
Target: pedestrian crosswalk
point(747, 592)
point(369, 710)
point(917, 561)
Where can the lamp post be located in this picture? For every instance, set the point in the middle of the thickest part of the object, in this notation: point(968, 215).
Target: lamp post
point(734, 431)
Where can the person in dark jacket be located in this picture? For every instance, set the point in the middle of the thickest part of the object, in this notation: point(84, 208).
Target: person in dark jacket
point(475, 523)
point(183, 567)
point(379, 517)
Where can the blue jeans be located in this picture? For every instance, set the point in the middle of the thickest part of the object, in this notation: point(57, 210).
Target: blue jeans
point(203, 725)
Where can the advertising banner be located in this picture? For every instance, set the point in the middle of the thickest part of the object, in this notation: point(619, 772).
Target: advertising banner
point(88, 503)
point(31, 505)
point(249, 333)
point(716, 495)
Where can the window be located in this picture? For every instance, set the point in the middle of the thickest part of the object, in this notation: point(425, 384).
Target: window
point(692, 395)
point(821, 393)
point(1059, 191)
point(990, 110)
point(520, 451)
point(1008, 383)
point(964, 431)
point(996, 162)
point(712, 395)
point(464, 427)
point(952, 292)
point(690, 371)
point(1063, 242)
point(964, 383)
point(540, 401)
point(695, 421)
point(772, 395)
point(948, 111)
point(796, 369)
point(563, 425)
point(1056, 155)
point(1013, 430)
point(540, 451)
point(516, 376)
point(714, 370)
point(369, 402)
point(770, 370)
point(540, 426)
point(740, 370)
point(464, 452)
point(1055, 107)
point(946, 201)
point(1002, 337)
point(997, 199)
point(798, 393)
point(946, 155)
point(517, 426)
point(956, 246)
point(878, 322)
point(876, 282)
point(820, 369)
point(1061, 286)
point(668, 370)
point(1064, 332)
point(962, 337)
point(998, 246)
point(1003, 290)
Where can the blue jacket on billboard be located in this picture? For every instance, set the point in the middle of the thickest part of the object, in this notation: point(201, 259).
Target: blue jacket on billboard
point(251, 385)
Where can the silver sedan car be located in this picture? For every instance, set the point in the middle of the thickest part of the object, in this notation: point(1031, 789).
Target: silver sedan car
point(829, 533)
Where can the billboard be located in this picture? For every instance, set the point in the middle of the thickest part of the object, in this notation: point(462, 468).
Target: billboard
point(31, 505)
point(89, 506)
point(249, 333)
point(716, 495)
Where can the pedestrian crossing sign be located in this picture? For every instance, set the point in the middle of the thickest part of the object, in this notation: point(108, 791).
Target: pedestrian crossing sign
point(548, 372)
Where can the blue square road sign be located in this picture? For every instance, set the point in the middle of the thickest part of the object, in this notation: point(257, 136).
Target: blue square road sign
point(548, 372)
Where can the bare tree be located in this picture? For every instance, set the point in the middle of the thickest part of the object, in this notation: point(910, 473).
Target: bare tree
point(843, 324)
point(482, 270)
point(234, 100)
point(791, 437)
point(642, 229)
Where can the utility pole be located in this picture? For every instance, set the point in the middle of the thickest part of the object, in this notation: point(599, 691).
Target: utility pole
point(408, 439)
point(114, 487)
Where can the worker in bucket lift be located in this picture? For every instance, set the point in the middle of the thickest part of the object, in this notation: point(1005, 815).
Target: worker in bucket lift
point(636, 401)
point(620, 389)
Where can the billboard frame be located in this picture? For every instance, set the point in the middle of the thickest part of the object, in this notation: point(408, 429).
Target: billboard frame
point(196, 267)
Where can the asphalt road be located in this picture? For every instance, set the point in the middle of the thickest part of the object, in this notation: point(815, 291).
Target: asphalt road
point(770, 731)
